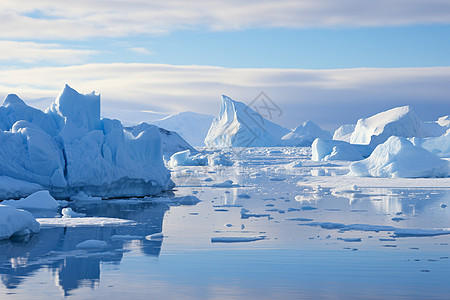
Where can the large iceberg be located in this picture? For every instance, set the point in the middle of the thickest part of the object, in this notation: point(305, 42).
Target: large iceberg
point(191, 126)
point(69, 149)
point(398, 157)
point(240, 126)
point(305, 134)
point(399, 121)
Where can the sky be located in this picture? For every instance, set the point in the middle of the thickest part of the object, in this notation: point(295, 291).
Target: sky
point(328, 61)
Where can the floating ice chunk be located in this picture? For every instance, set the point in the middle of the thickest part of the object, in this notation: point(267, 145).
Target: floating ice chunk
point(245, 214)
point(16, 222)
point(184, 158)
point(244, 196)
point(398, 157)
point(326, 150)
point(186, 200)
point(225, 184)
point(294, 164)
point(82, 222)
point(38, 200)
point(81, 196)
point(240, 126)
point(236, 239)
point(350, 240)
point(305, 134)
point(405, 232)
point(219, 159)
point(92, 244)
point(67, 212)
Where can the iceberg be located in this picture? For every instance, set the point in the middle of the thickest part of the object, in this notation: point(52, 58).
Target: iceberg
point(305, 134)
point(240, 126)
point(344, 132)
point(38, 200)
point(16, 222)
point(184, 158)
point(171, 141)
point(400, 121)
point(69, 149)
point(325, 150)
point(192, 127)
point(398, 157)
point(440, 146)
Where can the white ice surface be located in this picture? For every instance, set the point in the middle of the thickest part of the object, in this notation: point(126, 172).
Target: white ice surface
point(398, 157)
point(305, 134)
point(92, 244)
point(240, 126)
point(37, 200)
point(16, 222)
point(191, 126)
point(82, 222)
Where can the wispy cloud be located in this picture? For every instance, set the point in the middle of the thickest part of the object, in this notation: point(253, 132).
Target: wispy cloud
point(93, 18)
point(31, 52)
point(329, 97)
point(140, 50)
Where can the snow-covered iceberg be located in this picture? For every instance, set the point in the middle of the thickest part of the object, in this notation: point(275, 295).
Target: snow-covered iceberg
point(400, 121)
point(305, 134)
point(171, 141)
point(191, 126)
point(69, 149)
point(16, 222)
point(440, 146)
point(324, 150)
point(344, 132)
point(38, 200)
point(240, 126)
point(398, 157)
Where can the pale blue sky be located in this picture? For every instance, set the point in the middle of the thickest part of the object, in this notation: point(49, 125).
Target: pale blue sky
point(404, 43)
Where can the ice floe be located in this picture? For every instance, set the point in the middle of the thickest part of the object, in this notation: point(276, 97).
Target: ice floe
point(37, 200)
point(16, 222)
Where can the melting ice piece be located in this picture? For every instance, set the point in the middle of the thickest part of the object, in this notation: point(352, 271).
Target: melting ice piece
point(67, 212)
point(225, 184)
point(38, 200)
point(155, 237)
point(16, 222)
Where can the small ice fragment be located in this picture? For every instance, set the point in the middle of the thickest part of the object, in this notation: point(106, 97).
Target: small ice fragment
point(244, 196)
point(67, 212)
point(228, 225)
point(350, 240)
point(208, 179)
point(443, 205)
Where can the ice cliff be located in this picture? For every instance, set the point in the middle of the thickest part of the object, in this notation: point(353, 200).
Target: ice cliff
point(69, 149)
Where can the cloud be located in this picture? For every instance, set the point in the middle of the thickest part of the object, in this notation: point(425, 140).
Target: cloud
point(328, 97)
point(31, 52)
point(48, 19)
point(140, 50)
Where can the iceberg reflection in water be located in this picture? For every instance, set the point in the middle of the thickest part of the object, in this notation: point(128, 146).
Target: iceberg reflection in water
point(55, 248)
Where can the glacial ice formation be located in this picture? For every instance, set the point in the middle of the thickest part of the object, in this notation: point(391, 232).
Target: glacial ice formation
point(191, 126)
point(324, 150)
point(240, 126)
point(399, 158)
point(344, 133)
point(305, 134)
point(69, 149)
point(400, 121)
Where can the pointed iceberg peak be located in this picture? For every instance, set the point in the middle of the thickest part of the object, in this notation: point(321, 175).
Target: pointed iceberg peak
point(83, 110)
point(13, 100)
point(237, 125)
